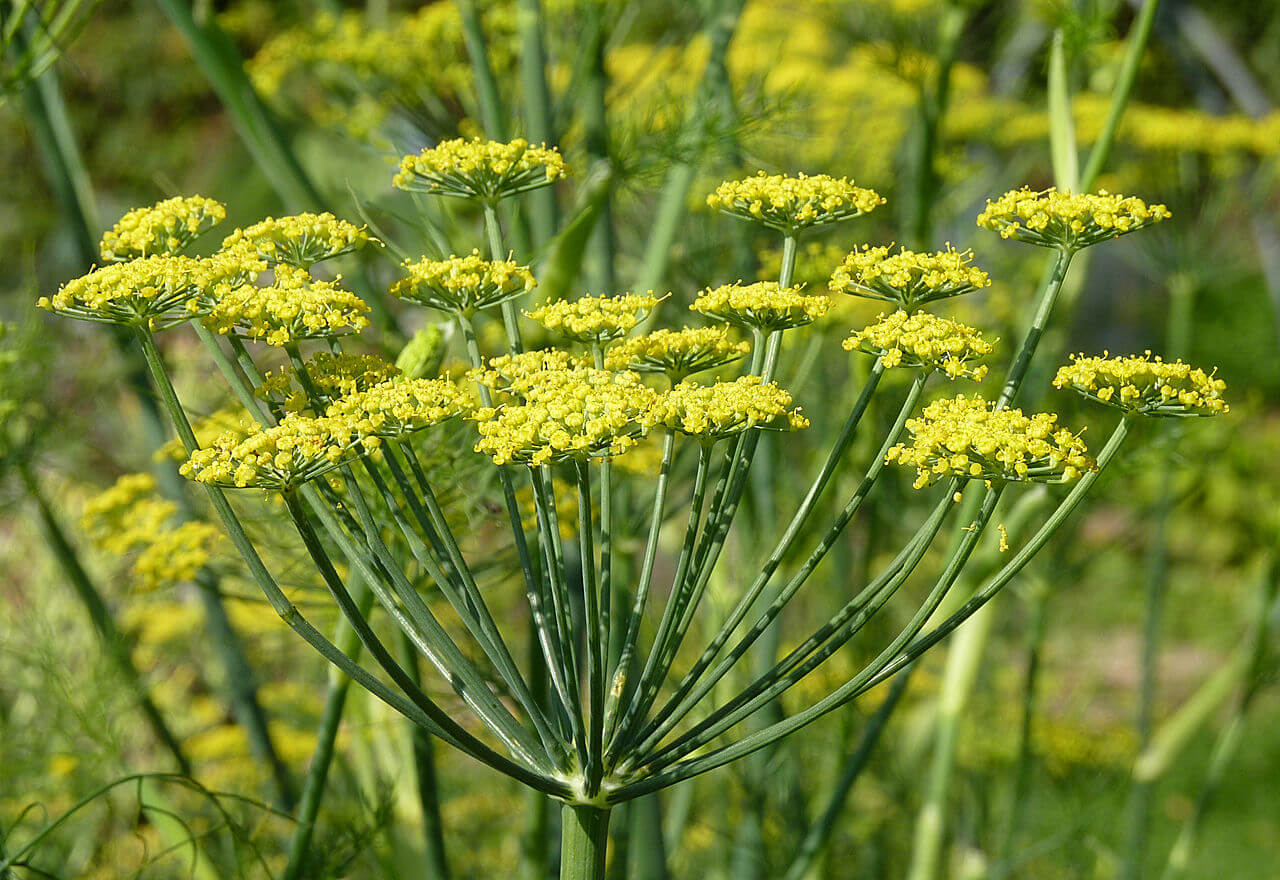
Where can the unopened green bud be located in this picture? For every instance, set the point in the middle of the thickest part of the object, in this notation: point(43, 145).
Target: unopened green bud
point(422, 356)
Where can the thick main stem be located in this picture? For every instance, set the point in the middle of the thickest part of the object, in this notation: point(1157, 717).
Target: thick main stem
point(584, 838)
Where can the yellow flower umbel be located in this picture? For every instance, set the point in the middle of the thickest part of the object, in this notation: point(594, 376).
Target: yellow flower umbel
point(149, 292)
point(908, 278)
point(964, 437)
point(764, 306)
point(333, 376)
point(579, 413)
point(723, 409)
point(394, 410)
point(1063, 220)
point(505, 371)
point(594, 320)
point(294, 307)
point(790, 204)
point(479, 169)
point(115, 518)
point(175, 556)
point(462, 285)
point(1146, 385)
point(164, 228)
point(281, 457)
point(677, 353)
point(130, 517)
point(924, 341)
point(301, 240)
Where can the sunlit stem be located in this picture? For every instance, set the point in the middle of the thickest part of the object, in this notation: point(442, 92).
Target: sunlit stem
point(638, 700)
point(596, 646)
point(623, 670)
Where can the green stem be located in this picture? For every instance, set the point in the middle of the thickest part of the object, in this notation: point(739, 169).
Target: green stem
point(326, 738)
point(510, 318)
point(596, 140)
point(537, 112)
point(638, 701)
point(596, 645)
point(222, 65)
point(1135, 46)
point(623, 671)
point(425, 777)
point(492, 116)
point(584, 838)
point(933, 104)
point(673, 201)
point(691, 690)
point(1039, 321)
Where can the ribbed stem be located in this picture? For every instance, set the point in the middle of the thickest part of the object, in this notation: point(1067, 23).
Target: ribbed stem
point(584, 838)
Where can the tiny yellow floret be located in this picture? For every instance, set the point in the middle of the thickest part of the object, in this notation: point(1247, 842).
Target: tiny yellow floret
point(395, 409)
point(295, 306)
point(281, 457)
point(579, 413)
point(149, 292)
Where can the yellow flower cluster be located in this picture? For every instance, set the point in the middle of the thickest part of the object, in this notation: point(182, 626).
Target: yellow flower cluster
point(154, 292)
point(764, 306)
point(789, 203)
point(396, 409)
point(908, 278)
point(594, 319)
point(129, 516)
point(301, 240)
point(1145, 384)
point(174, 556)
point(1059, 219)
point(281, 457)
point(505, 371)
point(349, 72)
point(678, 353)
point(116, 518)
point(294, 307)
point(925, 341)
point(163, 228)
point(713, 412)
point(463, 284)
point(578, 413)
point(333, 376)
point(964, 437)
point(480, 169)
